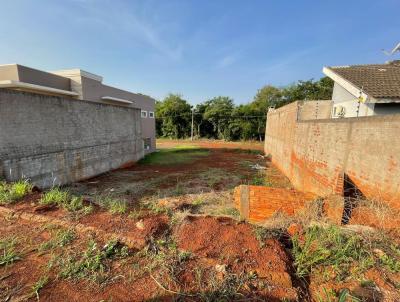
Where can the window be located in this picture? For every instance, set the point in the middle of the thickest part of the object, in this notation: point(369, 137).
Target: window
point(151, 114)
point(144, 113)
point(147, 143)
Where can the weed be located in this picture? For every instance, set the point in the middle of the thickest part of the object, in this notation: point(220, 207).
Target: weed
point(41, 283)
point(230, 211)
point(155, 208)
point(214, 176)
point(10, 193)
point(263, 234)
point(367, 283)
point(259, 179)
point(55, 196)
point(91, 264)
point(179, 189)
point(19, 189)
point(227, 289)
point(166, 260)
point(328, 247)
point(8, 254)
point(331, 296)
point(198, 202)
point(74, 204)
point(390, 263)
point(135, 214)
point(61, 239)
point(115, 206)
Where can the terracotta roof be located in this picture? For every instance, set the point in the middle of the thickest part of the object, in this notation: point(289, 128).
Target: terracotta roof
point(377, 80)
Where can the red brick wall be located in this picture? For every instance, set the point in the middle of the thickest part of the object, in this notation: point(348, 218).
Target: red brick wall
point(260, 203)
point(316, 154)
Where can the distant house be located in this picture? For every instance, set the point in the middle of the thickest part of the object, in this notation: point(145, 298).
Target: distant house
point(365, 90)
point(82, 85)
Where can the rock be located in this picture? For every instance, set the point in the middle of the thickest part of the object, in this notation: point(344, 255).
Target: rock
point(140, 224)
point(220, 268)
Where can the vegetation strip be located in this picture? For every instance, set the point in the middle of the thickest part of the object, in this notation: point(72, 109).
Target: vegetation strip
point(79, 227)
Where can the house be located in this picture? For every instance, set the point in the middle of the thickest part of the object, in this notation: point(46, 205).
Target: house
point(82, 85)
point(365, 90)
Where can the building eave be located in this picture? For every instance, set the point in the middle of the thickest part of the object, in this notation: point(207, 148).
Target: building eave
point(110, 98)
point(35, 88)
point(349, 86)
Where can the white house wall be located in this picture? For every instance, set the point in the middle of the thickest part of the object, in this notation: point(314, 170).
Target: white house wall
point(342, 97)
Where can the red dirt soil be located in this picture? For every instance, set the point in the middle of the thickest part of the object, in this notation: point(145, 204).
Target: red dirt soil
point(223, 241)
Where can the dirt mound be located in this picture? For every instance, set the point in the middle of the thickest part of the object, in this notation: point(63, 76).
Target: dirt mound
point(225, 244)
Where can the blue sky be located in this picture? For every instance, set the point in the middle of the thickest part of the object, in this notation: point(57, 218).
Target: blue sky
point(199, 49)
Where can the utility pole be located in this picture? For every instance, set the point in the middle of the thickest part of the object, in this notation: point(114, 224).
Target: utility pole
point(191, 137)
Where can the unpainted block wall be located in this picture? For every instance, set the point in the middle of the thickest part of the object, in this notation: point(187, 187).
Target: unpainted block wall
point(316, 155)
point(56, 140)
point(258, 203)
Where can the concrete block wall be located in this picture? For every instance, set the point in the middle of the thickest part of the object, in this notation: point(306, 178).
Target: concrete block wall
point(55, 140)
point(317, 155)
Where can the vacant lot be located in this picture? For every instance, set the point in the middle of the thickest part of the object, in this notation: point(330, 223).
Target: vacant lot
point(165, 229)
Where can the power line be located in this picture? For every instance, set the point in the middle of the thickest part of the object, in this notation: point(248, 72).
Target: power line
point(218, 116)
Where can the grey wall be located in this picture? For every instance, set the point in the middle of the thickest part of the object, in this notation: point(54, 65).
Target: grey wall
point(95, 90)
point(38, 77)
point(25, 74)
point(56, 140)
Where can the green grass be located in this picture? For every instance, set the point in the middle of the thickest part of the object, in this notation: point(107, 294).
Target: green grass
point(114, 205)
point(59, 197)
point(215, 176)
point(62, 238)
point(347, 254)
point(329, 247)
point(55, 196)
point(40, 284)
point(229, 211)
point(10, 193)
point(175, 156)
point(8, 253)
point(92, 264)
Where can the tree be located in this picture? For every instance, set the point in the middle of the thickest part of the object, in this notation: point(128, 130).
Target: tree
point(174, 117)
point(203, 127)
point(218, 112)
point(267, 96)
point(309, 90)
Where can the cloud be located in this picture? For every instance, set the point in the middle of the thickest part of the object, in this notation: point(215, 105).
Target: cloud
point(227, 61)
point(122, 20)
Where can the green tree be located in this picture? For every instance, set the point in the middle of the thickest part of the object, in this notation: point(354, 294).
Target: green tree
point(218, 112)
point(203, 127)
point(309, 90)
point(174, 117)
point(267, 96)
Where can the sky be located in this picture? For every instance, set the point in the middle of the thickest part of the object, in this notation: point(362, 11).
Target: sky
point(199, 49)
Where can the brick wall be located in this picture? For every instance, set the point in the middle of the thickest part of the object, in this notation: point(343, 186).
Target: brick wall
point(258, 203)
point(316, 155)
point(57, 140)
